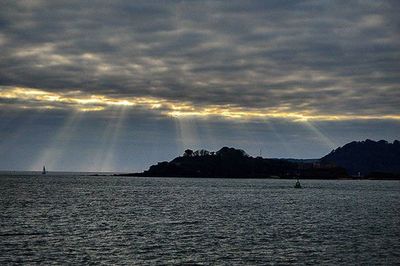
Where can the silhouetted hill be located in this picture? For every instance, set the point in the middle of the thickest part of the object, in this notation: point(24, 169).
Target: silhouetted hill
point(300, 160)
point(367, 157)
point(230, 162)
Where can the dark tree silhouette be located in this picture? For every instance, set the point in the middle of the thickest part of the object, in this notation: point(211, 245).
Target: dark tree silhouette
point(188, 153)
point(204, 152)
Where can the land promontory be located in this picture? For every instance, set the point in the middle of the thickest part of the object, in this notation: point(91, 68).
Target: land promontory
point(363, 159)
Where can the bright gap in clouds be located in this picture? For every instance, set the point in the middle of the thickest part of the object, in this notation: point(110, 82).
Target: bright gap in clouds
point(27, 98)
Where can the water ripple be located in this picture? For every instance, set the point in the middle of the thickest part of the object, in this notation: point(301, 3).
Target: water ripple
point(117, 220)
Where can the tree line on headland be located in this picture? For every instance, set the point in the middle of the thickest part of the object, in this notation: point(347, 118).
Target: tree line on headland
point(366, 159)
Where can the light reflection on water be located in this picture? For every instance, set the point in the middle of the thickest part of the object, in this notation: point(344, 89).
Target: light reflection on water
point(125, 220)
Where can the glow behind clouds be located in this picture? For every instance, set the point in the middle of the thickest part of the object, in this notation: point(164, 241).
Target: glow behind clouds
point(37, 99)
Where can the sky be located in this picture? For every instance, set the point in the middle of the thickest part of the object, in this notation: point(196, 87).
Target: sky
point(120, 85)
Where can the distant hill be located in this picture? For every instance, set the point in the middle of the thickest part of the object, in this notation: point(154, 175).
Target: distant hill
point(367, 157)
point(372, 159)
point(234, 163)
point(300, 160)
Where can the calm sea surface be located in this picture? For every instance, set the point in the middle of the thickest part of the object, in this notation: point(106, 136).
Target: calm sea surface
point(127, 220)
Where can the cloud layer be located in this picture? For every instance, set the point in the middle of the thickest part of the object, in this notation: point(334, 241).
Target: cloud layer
point(234, 73)
point(305, 57)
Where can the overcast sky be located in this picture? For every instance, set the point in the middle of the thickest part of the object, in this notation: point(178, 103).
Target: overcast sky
point(120, 85)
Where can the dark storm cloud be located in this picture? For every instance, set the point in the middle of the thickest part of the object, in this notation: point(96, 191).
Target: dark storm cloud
point(333, 57)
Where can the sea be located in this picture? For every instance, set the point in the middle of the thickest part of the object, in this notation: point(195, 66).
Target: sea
point(81, 219)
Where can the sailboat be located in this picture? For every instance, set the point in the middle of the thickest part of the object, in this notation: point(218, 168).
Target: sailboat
point(44, 170)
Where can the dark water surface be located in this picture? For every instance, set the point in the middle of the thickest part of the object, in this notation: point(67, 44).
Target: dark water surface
point(126, 220)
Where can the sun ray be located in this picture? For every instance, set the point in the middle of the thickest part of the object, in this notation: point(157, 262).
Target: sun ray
point(52, 154)
point(282, 141)
point(104, 141)
point(320, 135)
point(188, 132)
point(178, 135)
point(109, 159)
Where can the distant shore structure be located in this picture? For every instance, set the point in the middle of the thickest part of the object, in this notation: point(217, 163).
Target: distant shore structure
point(44, 170)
